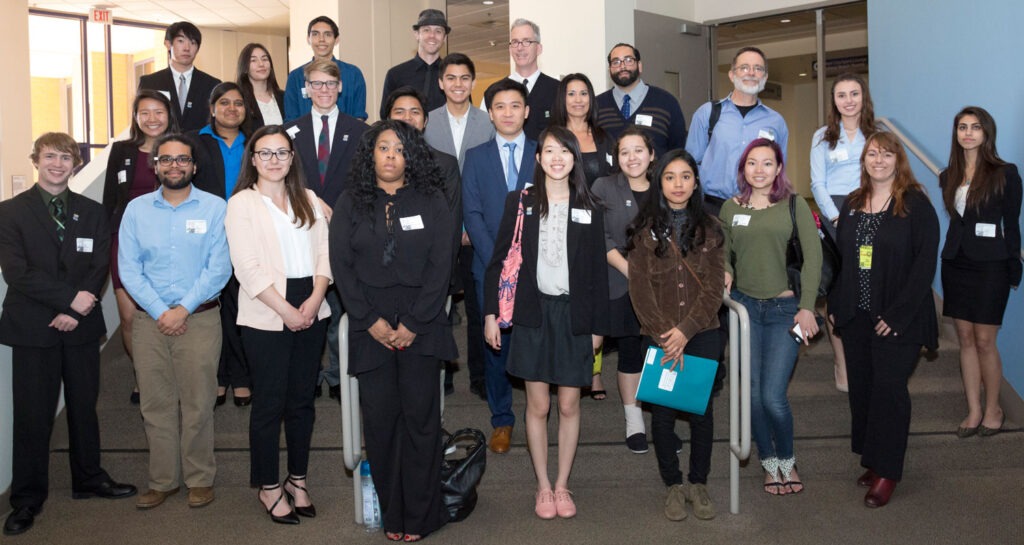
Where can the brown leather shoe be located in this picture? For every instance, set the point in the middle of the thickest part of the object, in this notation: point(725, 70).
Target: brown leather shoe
point(153, 498)
point(200, 496)
point(501, 439)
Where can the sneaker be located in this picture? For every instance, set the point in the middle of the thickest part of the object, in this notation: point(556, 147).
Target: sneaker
point(703, 507)
point(675, 503)
point(637, 443)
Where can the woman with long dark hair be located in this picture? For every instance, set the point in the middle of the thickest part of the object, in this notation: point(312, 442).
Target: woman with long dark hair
point(561, 303)
point(391, 251)
point(758, 226)
point(888, 237)
point(255, 76)
point(980, 260)
point(130, 174)
point(676, 261)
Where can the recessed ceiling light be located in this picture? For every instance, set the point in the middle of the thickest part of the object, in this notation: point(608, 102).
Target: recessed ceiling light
point(488, 2)
point(782, 21)
point(802, 74)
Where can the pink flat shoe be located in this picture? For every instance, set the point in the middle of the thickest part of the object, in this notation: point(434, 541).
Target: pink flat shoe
point(564, 506)
point(545, 508)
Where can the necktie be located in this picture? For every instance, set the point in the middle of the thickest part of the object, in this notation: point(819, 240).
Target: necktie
point(58, 215)
point(526, 83)
point(323, 149)
point(182, 93)
point(625, 107)
point(512, 172)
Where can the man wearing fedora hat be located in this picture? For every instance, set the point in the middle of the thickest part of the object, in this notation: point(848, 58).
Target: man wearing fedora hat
point(421, 72)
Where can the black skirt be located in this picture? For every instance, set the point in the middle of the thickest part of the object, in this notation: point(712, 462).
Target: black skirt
point(975, 291)
point(551, 353)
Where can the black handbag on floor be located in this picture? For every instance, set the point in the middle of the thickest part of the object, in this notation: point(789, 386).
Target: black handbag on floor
point(463, 465)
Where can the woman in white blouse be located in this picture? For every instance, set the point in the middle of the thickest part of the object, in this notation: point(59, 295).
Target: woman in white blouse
point(264, 99)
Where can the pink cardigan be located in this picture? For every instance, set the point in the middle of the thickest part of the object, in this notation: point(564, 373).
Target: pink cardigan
point(256, 256)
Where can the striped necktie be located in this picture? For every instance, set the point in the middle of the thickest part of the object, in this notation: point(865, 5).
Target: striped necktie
point(59, 216)
point(323, 149)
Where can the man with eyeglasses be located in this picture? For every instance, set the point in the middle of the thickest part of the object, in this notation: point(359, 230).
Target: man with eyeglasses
point(631, 101)
point(422, 71)
point(173, 260)
point(325, 140)
point(322, 36)
point(720, 130)
point(187, 87)
point(525, 48)
point(54, 254)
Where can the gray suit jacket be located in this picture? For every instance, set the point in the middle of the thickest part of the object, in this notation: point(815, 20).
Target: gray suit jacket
point(620, 209)
point(438, 133)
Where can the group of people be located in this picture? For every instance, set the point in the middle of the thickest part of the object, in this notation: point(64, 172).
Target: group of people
point(283, 211)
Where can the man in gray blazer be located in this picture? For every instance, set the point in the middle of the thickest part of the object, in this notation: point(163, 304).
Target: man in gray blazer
point(457, 125)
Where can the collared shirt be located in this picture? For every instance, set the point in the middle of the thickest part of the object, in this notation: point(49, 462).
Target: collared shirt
point(188, 78)
point(520, 142)
point(318, 125)
point(834, 171)
point(530, 80)
point(231, 155)
point(173, 255)
point(636, 96)
point(458, 126)
point(47, 196)
point(419, 75)
point(351, 99)
point(719, 158)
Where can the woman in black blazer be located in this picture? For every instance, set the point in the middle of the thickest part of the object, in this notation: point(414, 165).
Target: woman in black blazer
point(888, 237)
point(980, 260)
point(130, 174)
point(561, 303)
point(264, 99)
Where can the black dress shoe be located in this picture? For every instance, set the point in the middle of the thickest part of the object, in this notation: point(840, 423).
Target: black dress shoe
point(335, 392)
point(108, 489)
point(19, 521)
point(134, 398)
point(221, 399)
point(243, 401)
point(319, 391)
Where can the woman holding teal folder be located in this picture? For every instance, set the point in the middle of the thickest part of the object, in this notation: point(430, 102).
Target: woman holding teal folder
point(676, 282)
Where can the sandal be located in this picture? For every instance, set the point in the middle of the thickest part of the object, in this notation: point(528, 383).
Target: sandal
point(394, 536)
point(771, 469)
point(409, 538)
point(301, 510)
point(785, 469)
point(598, 395)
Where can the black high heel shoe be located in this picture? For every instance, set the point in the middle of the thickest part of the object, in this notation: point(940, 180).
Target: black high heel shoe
point(308, 511)
point(290, 518)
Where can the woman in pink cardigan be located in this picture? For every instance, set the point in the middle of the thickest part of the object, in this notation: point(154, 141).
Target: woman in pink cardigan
point(277, 234)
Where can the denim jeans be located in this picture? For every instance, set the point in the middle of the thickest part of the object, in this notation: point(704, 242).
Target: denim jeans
point(773, 355)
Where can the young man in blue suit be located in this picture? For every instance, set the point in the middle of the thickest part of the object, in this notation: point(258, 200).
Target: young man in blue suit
point(490, 171)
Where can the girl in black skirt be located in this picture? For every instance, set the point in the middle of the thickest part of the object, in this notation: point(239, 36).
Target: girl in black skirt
point(981, 259)
point(561, 302)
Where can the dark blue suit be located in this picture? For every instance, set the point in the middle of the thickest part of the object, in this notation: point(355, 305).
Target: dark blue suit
point(484, 190)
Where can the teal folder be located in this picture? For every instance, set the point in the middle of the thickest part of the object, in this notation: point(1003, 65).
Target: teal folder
point(687, 389)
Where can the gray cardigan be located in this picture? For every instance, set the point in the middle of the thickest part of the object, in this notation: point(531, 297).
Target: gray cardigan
point(620, 209)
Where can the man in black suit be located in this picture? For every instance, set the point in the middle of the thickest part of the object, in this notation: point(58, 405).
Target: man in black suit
point(325, 158)
point(524, 46)
point(187, 87)
point(54, 254)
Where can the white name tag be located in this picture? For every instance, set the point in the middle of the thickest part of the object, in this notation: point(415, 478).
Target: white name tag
point(581, 216)
point(608, 158)
point(741, 219)
point(629, 203)
point(766, 133)
point(987, 230)
point(197, 227)
point(838, 155)
point(668, 380)
point(529, 210)
point(645, 120)
point(305, 93)
point(122, 176)
point(411, 223)
point(292, 131)
point(83, 245)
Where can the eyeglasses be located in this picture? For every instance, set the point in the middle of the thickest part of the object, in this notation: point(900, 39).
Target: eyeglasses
point(317, 85)
point(747, 69)
point(180, 160)
point(624, 61)
point(522, 43)
point(281, 154)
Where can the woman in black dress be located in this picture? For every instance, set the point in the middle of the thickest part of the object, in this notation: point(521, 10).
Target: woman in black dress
point(980, 260)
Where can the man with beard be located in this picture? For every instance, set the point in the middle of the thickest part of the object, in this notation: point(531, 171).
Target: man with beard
point(173, 260)
point(422, 71)
point(720, 130)
point(633, 102)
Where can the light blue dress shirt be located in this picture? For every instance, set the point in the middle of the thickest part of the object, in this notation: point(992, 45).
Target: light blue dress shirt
point(834, 171)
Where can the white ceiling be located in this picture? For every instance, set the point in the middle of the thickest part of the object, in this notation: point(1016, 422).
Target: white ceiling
point(229, 14)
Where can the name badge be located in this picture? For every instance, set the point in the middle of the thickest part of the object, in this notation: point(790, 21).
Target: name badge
point(83, 245)
point(122, 176)
point(580, 215)
point(838, 155)
point(629, 203)
point(742, 220)
point(987, 230)
point(766, 133)
point(305, 93)
point(645, 120)
point(292, 131)
point(608, 158)
point(529, 210)
point(667, 381)
point(864, 257)
point(547, 114)
point(188, 105)
point(411, 223)
point(196, 227)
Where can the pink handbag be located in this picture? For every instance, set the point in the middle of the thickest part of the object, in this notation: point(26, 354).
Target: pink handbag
point(510, 271)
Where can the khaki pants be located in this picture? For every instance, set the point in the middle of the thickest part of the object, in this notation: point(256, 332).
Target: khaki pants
point(178, 388)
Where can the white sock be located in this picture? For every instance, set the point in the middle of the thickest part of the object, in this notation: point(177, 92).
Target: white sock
point(634, 419)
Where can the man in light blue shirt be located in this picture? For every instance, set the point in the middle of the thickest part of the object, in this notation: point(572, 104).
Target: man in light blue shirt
point(742, 118)
point(173, 259)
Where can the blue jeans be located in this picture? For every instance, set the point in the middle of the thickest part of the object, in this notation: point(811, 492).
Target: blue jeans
point(773, 355)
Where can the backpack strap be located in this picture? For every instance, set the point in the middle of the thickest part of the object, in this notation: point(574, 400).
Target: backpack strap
point(716, 112)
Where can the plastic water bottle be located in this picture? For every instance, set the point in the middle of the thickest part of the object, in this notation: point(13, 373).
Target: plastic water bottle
point(371, 507)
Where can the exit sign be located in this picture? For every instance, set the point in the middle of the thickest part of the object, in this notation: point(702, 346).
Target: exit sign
point(102, 16)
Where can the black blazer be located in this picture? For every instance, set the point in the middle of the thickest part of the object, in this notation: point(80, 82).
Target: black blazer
point(44, 275)
point(902, 269)
point(347, 133)
point(1002, 211)
point(256, 115)
point(209, 165)
point(197, 103)
point(588, 268)
point(540, 100)
point(123, 156)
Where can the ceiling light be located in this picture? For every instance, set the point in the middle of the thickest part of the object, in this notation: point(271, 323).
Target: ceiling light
point(782, 21)
point(488, 2)
point(802, 74)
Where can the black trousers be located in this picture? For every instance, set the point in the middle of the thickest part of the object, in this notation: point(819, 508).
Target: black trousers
point(233, 369)
point(878, 369)
point(401, 408)
point(702, 427)
point(474, 321)
point(284, 366)
point(36, 377)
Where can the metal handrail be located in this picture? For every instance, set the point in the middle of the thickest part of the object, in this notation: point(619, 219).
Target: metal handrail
point(739, 396)
point(351, 430)
point(910, 144)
